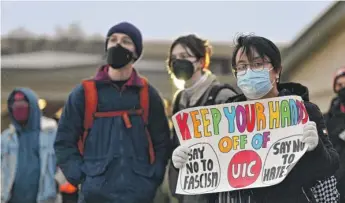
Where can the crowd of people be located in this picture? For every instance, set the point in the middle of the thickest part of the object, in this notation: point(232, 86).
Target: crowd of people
point(113, 142)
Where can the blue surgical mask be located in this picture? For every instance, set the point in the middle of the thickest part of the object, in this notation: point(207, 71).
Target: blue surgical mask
point(255, 85)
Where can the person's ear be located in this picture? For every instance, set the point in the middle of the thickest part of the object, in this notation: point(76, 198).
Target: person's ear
point(135, 56)
point(278, 71)
point(202, 63)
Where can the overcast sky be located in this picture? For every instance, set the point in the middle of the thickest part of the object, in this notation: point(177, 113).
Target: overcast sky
point(217, 21)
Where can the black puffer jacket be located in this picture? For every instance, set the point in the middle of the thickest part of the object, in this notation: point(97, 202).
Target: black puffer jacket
point(335, 120)
point(315, 165)
point(334, 109)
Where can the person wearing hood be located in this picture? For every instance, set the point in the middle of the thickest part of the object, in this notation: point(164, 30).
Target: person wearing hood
point(335, 119)
point(256, 63)
point(189, 60)
point(123, 157)
point(27, 152)
point(338, 102)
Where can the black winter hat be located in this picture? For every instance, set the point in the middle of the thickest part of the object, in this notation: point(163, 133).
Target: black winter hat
point(130, 30)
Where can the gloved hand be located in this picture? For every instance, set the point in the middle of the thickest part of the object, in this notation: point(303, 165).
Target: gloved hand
point(310, 135)
point(180, 156)
point(342, 135)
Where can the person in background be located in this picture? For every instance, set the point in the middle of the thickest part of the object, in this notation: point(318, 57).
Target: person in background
point(189, 60)
point(124, 155)
point(256, 63)
point(338, 102)
point(27, 152)
point(335, 119)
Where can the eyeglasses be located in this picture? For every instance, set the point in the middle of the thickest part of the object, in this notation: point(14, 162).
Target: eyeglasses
point(241, 69)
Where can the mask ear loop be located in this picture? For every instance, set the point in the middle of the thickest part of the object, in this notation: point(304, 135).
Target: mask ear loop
point(277, 77)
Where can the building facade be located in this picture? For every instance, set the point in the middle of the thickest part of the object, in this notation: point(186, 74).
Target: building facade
point(316, 53)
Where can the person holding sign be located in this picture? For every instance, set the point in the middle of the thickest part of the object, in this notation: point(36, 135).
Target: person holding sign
point(256, 64)
point(257, 67)
point(188, 62)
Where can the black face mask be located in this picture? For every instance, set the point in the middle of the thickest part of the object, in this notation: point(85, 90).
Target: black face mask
point(341, 94)
point(182, 69)
point(118, 57)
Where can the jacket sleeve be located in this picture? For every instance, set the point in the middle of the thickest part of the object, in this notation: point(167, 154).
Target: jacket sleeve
point(339, 144)
point(3, 143)
point(340, 174)
point(69, 130)
point(323, 161)
point(158, 128)
point(3, 151)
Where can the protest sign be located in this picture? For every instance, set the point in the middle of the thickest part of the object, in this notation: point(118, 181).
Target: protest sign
point(240, 145)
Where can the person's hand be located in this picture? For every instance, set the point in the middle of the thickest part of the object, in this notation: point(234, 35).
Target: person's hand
point(180, 156)
point(310, 136)
point(342, 135)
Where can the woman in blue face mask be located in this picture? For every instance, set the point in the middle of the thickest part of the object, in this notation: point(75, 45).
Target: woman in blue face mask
point(257, 67)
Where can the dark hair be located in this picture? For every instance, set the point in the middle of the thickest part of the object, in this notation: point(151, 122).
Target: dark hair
point(261, 45)
point(199, 47)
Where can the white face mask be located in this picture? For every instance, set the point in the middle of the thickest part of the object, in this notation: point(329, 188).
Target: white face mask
point(255, 85)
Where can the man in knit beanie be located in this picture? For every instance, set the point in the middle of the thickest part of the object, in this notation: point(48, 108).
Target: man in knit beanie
point(335, 120)
point(113, 135)
point(123, 46)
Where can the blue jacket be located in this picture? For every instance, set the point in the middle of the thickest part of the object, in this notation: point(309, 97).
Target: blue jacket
point(115, 166)
point(15, 169)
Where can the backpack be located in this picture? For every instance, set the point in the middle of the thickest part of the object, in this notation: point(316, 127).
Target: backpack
point(205, 100)
point(90, 113)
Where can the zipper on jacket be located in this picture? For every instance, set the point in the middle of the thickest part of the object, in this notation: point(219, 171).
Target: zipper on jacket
point(118, 89)
point(305, 194)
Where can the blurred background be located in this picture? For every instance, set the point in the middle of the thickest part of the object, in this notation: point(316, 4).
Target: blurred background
point(51, 46)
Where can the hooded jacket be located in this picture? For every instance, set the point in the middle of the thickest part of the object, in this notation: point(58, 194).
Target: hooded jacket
point(27, 156)
point(315, 165)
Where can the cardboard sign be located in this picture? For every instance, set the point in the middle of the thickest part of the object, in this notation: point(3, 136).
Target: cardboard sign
point(240, 145)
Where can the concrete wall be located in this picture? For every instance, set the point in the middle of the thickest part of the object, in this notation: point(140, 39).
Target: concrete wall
point(317, 71)
point(58, 83)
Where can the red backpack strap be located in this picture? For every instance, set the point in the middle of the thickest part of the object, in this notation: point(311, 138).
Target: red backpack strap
point(144, 100)
point(145, 103)
point(91, 101)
